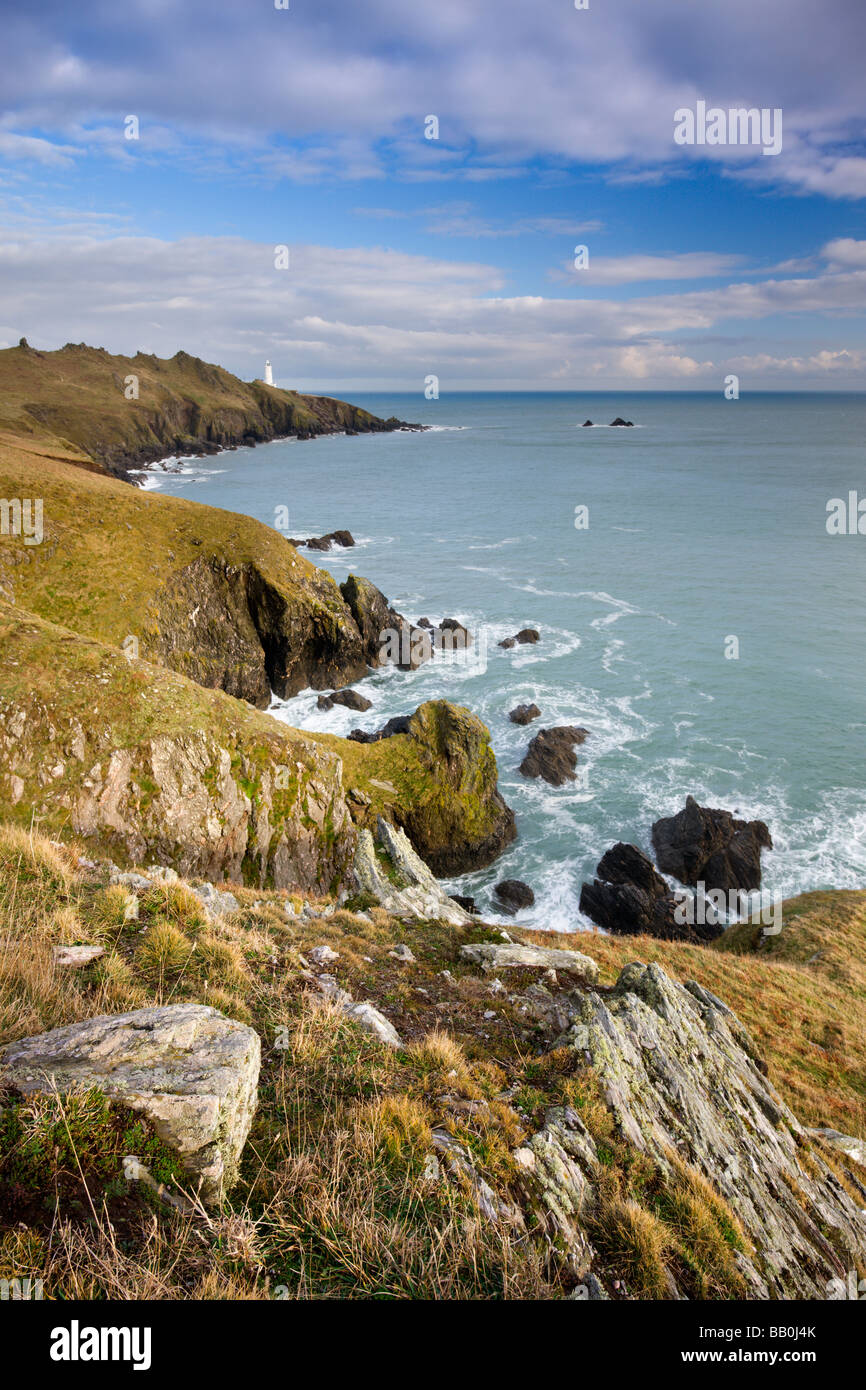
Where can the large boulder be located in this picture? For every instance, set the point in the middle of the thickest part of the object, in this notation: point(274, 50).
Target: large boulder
point(192, 1072)
point(550, 755)
point(457, 819)
point(704, 845)
point(630, 898)
point(512, 895)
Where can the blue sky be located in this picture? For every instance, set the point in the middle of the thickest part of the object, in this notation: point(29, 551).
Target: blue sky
point(454, 256)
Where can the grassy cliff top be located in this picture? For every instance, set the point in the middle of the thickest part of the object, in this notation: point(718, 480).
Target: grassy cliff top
point(108, 548)
point(84, 403)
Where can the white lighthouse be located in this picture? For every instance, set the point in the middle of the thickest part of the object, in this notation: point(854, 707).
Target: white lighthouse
point(269, 374)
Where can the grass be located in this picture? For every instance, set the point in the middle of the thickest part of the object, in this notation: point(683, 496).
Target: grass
point(336, 1196)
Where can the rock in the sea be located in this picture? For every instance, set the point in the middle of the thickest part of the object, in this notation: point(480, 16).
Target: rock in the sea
point(526, 636)
point(620, 421)
point(629, 898)
point(586, 422)
point(467, 903)
point(550, 754)
point(343, 538)
point(515, 956)
point(348, 698)
point(703, 845)
point(684, 1082)
point(524, 714)
point(192, 1072)
point(513, 895)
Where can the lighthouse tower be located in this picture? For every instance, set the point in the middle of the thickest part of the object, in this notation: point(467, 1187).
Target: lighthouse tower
point(269, 374)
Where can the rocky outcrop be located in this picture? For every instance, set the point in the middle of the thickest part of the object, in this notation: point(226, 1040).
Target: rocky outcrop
point(182, 405)
point(550, 755)
point(685, 1085)
point(387, 638)
point(702, 845)
point(401, 882)
point(457, 819)
point(149, 766)
point(250, 632)
point(524, 714)
point(192, 1073)
point(620, 421)
point(629, 898)
point(512, 895)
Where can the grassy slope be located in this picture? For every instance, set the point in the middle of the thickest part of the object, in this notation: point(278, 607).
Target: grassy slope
point(332, 1199)
point(75, 399)
point(109, 548)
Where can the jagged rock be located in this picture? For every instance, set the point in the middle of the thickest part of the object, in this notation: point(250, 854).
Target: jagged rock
point(372, 1021)
point(387, 637)
point(514, 895)
point(190, 1070)
point(350, 698)
point(586, 422)
point(77, 956)
point(681, 1076)
point(514, 956)
point(550, 754)
point(629, 898)
point(524, 714)
point(703, 845)
point(417, 894)
point(620, 421)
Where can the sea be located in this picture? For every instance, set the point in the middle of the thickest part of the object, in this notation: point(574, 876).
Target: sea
point(697, 613)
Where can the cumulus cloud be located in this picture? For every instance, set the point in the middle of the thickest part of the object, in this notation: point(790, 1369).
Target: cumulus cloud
point(356, 317)
point(311, 91)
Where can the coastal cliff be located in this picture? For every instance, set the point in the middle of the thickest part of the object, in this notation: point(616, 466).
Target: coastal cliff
point(123, 412)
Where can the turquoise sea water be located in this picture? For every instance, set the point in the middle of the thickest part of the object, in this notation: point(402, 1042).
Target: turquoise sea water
point(706, 521)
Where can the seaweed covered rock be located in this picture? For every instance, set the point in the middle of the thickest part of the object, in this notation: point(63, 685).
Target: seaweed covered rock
point(457, 819)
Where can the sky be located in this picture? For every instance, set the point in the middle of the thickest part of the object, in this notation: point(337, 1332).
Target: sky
point(154, 155)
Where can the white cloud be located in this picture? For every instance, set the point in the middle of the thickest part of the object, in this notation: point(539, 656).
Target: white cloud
point(375, 317)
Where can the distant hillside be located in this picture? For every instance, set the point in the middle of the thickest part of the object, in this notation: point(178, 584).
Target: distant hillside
point(123, 412)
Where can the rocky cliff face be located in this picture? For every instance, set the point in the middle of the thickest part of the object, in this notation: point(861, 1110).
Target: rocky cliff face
point(123, 412)
point(149, 766)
